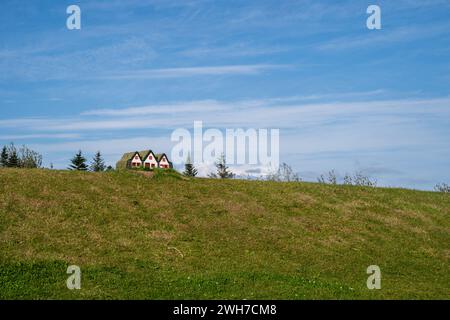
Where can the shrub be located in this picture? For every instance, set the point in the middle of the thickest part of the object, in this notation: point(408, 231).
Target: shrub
point(284, 173)
point(357, 179)
point(442, 187)
point(328, 178)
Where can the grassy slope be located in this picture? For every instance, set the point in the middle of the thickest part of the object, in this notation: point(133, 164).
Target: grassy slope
point(165, 238)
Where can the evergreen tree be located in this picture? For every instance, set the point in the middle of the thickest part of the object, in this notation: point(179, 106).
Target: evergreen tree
point(4, 157)
point(13, 158)
point(78, 162)
point(189, 169)
point(222, 169)
point(98, 164)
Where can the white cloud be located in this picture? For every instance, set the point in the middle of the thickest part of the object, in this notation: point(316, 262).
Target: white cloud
point(40, 136)
point(194, 71)
point(273, 113)
point(383, 37)
point(194, 106)
point(108, 147)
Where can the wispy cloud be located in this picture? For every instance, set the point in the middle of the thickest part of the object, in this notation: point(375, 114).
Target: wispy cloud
point(205, 106)
point(195, 71)
point(384, 37)
point(159, 109)
point(282, 113)
point(39, 136)
point(233, 50)
point(111, 147)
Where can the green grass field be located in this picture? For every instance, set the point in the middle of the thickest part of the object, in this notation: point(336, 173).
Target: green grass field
point(164, 237)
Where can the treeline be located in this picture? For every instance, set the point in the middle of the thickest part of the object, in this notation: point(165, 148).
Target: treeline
point(23, 157)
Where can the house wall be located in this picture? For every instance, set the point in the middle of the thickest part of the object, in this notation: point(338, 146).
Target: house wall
point(163, 163)
point(151, 161)
point(136, 161)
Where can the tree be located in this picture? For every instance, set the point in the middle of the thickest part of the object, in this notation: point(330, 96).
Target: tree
point(78, 162)
point(98, 164)
point(13, 158)
point(222, 169)
point(189, 169)
point(4, 157)
point(29, 158)
point(22, 158)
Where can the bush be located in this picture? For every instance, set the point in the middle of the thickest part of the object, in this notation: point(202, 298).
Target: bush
point(357, 179)
point(284, 173)
point(442, 187)
point(328, 178)
point(29, 158)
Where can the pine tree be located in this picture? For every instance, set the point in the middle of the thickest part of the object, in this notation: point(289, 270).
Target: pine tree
point(189, 169)
point(78, 162)
point(13, 160)
point(222, 169)
point(4, 157)
point(98, 164)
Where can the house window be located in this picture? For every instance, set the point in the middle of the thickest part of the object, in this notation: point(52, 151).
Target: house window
point(150, 157)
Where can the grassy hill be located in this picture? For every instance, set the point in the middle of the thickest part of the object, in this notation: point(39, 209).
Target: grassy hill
point(163, 237)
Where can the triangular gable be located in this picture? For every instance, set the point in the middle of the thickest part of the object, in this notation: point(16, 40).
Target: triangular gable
point(162, 156)
point(150, 152)
point(134, 155)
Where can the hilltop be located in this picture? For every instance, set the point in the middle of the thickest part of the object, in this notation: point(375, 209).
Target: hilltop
point(165, 237)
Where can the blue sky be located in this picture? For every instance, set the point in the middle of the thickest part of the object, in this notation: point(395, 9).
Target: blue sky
point(344, 97)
